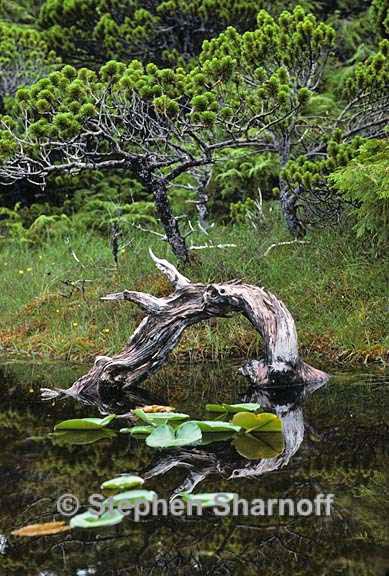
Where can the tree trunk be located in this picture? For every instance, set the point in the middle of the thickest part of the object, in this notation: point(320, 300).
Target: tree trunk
point(190, 303)
point(157, 187)
point(202, 200)
point(288, 200)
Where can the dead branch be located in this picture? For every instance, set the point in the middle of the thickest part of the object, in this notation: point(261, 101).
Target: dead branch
point(159, 332)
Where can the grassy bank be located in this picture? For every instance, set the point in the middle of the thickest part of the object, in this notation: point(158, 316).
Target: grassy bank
point(336, 292)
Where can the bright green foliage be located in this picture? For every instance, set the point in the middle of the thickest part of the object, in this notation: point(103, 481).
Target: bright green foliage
point(67, 105)
point(365, 90)
point(238, 176)
point(380, 12)
point(91, 520)
point(263, 88)
point(167, 32)
point(19, 11)
point(365, 182)
point(85, 423)
point(165, 436)
point(24, 57)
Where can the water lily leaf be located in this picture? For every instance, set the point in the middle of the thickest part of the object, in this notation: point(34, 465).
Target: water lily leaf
point(258, 446)
point(208, 499)
point(265, 422)
point(158, 418)
point(131, 497)
point(90, 520)
point(80, 437)
point(233, 408)
point(154, 408)
point(166, 436)
point(122, 482)
point(44, 529)
point(137, 430)
point(85, 423)
point(216, 426)
point(211, 437)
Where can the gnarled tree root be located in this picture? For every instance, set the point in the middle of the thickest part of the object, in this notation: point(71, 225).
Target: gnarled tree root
point(166, 319)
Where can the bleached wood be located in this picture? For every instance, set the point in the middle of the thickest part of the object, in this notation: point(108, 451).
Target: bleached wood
point(159, 332)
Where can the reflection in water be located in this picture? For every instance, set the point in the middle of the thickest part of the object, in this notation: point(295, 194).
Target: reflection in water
point(286, 402)
point(345, 455)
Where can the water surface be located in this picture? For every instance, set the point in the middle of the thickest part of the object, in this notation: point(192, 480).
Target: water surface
point(336, 441)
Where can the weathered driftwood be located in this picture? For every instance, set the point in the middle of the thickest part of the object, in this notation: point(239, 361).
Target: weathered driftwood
point(166, 319)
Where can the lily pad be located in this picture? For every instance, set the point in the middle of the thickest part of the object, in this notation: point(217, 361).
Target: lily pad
point(80, 437)
point(216, 426)
point(212, 437)
point(208, 499)
point(137, 430)
point(158, 418)
point(90, 520)
point(265, 422)
point(258, 446)
point(122, 482)
point(132, 497)
point(233, 408)
point(85, 423)
point(166, 436)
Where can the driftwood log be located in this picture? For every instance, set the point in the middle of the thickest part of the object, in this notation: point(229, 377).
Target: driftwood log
point(166, 319)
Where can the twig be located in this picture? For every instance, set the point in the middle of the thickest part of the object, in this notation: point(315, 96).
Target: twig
point(205, 246)
point(295, 241)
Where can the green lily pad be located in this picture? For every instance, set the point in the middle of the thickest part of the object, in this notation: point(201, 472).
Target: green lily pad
point(158, 418)
point(233, 408)
point(208, 499)
point(122, 482)
point(258, 446)
point(85, 423)
point(137, 430)
point(216, 426)
point(212, 437)
point(166, 436)
point(132, 497)
point(80, 437)
point(265, 422)
point(90, 520)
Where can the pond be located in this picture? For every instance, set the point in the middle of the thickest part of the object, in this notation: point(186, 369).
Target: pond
point(335, 442)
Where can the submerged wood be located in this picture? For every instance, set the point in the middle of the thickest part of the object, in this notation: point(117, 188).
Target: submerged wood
point(166, 319)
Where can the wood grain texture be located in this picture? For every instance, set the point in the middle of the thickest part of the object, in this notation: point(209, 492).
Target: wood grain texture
point(166, 319)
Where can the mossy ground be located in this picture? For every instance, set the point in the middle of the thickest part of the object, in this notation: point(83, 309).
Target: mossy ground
point(334, 288)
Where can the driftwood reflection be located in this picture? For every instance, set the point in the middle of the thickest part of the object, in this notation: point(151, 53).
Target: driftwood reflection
point(221, 459)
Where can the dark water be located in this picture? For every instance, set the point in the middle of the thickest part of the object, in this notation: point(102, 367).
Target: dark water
point(336, 442)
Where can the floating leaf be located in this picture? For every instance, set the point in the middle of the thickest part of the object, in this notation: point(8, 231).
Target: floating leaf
point(44, 529)
point(216, 426)
point(233, 408)
point(211, 437)
point(208, 499)
point(85, 423)
point(154, 408)
point(137, 430)
point(80, 437)
point(122, 482)
point(131, 497)
point(265, 422)
point(167, 437)
point(158, 418)
point(90, 520)
point(255, 447)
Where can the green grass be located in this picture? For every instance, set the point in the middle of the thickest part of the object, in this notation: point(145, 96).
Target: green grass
point(335, 291)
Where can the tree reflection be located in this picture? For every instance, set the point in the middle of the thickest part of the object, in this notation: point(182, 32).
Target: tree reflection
point(286, 402)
